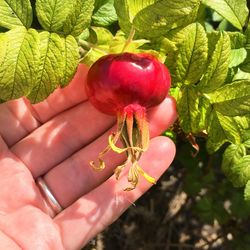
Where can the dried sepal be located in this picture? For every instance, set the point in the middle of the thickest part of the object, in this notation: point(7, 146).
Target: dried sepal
point(133, 131)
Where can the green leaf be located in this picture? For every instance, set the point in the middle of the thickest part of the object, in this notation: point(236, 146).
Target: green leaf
point(70, 57)
point(117, 44)
point(216, 17)
point(19, 55)
point(192, 57)
point(165, 45)
point(103, 42)
point(245, 66)
point(171, 134)
point(162, 16)
point(92, 55)
point(152, 18)
point(84, 35)
point(241, 75)
point(247, 191)
point(3, 47)
point(231, 156)
point(240, 172)
point(216, 135)
point(169, 48)
point(232, 72)
point(101, 36)
point(230, 126)
point(235, 11)
point(238, 52)
point(127, 10)
point(243, 124)
point(238, 40)
point(221, 129)
point(238, 56)
point(247, 36)
point(193, 110)
point(240, 208)
point(216, 73)
point(246, 138)
point(52, 14)
point(100, 41)
point(174, 92)
point(15, 13)
point(104, 13)
point(232, 99)
point(79, 17)
point(58, 62)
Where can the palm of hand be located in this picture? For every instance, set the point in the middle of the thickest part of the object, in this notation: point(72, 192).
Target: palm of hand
point(57, 138)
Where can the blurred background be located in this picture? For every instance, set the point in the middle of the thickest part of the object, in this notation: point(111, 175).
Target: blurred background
point(193, 206)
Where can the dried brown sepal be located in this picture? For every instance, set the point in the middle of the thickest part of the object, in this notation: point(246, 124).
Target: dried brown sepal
point(133, 131)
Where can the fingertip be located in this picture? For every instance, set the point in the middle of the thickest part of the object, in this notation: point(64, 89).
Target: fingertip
point(162, 116)
point(159, 156)
point(81, 74)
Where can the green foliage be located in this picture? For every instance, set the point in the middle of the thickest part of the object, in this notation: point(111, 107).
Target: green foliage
point(236, 162)
point(19, 56)
point(232, 99)
point(52, 14)
point(15, 13)
point(245, 66)
point(193, 109)
point(79, 17)
point(58, 61)
point(217, 132)
point(104, 13)
point(35, 62)
point(106, 43)
point(65, 16)
point(101, 37)
point(218, 62)
point(192, 53)
point(235, 12)
point(128, 9)
point(160, 16)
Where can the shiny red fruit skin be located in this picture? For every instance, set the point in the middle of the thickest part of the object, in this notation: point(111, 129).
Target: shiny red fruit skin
point(116, 81)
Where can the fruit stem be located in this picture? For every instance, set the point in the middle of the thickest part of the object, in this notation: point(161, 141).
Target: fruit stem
point(130, 38)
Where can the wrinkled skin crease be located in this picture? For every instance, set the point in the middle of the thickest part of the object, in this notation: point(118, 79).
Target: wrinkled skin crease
point(48, 139)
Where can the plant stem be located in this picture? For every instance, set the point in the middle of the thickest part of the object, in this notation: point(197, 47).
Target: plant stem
point(130, 38)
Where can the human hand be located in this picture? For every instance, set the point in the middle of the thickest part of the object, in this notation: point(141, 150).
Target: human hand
point(56, 139)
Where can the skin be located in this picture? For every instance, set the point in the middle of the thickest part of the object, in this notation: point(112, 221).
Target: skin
point(56, 139)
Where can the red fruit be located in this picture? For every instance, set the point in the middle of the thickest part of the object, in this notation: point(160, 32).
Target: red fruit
point(125, 85)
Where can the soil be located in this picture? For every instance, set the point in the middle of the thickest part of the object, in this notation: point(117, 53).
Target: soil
point(164, 219)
